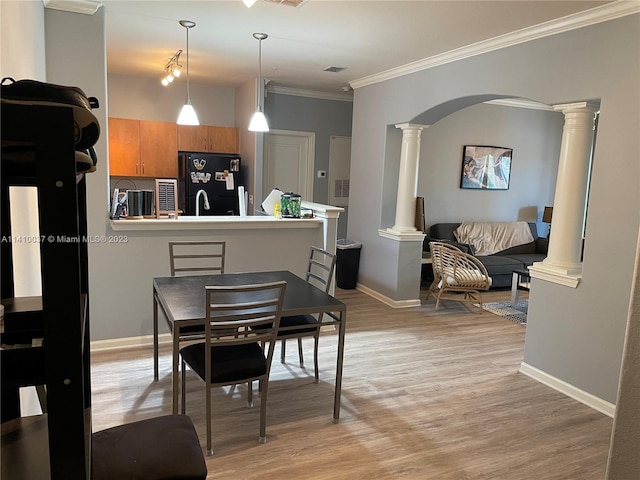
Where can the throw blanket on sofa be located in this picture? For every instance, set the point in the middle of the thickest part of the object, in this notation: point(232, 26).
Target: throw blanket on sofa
point(492, 237)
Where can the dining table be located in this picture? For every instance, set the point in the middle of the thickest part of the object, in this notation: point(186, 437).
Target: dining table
point(181, 299)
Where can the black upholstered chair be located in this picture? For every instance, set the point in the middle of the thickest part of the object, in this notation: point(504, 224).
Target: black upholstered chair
point(320, 274)
point(161, 448)
point(232, 353)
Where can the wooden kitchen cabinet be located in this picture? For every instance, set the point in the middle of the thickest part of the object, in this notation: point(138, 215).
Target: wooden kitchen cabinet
point(158, 149)
point(142, 148)
point(208, 138)
point(193, 138)
point(124, 147)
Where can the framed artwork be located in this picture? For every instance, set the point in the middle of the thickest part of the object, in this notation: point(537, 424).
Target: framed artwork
point(486, 168)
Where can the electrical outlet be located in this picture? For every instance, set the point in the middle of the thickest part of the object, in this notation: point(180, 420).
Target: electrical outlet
point(322, 173)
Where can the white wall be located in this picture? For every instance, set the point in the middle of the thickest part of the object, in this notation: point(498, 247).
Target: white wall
point(26, 62)
point(23, 26)
point(144, 98)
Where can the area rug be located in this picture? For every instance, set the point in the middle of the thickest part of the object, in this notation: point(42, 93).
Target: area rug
point(504, 309)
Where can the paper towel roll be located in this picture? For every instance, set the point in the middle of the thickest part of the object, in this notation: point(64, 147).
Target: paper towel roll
point(241, 205)
point(270, 202)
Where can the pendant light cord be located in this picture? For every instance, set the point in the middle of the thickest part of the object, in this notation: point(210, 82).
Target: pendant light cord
point(188, 96)
point(259, 89)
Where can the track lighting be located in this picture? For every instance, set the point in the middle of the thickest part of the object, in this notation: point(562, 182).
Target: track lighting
point(172, 68)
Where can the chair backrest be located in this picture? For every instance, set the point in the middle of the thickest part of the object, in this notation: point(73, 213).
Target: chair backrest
point(198, 257)
point(243, 314)
point(320, 269)
point(454, 267)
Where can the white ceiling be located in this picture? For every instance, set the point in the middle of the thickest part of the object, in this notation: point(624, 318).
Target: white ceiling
point(365, 37)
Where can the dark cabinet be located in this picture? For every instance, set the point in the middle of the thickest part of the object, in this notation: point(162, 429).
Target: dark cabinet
point(60, 316)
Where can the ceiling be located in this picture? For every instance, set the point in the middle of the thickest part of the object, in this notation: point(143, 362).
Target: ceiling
point(363, 37)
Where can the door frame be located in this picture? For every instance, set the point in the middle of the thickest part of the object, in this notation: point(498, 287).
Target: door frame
point(311, 157)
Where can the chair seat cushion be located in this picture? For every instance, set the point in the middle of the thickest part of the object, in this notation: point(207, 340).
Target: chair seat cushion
point(307, 324)
point(162, 448)
point(465, 277)
point(230, 363)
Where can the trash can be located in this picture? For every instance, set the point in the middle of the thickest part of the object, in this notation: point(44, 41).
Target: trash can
point(347, 263)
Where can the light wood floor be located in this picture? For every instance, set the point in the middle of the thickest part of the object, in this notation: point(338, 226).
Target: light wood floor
point(426, 395)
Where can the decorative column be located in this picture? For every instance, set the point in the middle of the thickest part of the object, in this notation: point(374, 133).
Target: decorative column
point(408, 179)
point(405, 247)
point(563, 263)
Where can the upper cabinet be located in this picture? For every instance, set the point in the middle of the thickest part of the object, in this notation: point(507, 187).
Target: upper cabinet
point(124, 147)
point(142, 148)
point(158, 149)
point(205, 138)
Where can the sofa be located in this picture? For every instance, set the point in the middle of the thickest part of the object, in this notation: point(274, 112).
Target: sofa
point(499, 265)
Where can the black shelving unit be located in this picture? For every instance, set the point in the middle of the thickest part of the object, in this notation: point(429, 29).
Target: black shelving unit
point(38, 150)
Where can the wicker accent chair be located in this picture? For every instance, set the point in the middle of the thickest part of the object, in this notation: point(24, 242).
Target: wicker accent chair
point(456, 272)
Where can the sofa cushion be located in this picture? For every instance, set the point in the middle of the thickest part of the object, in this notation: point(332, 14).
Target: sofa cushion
point(525, 248)
point(497, 265)
point(443, 230)
point(527, 259)
point(465, 247)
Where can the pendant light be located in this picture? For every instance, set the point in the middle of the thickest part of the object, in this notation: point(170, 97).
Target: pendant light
point(258, 121)
point(188, 114)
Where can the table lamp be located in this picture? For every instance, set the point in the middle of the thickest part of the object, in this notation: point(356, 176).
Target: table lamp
point(546, 218)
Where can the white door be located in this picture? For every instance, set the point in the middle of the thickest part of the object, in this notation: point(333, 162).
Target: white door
point(289, 163)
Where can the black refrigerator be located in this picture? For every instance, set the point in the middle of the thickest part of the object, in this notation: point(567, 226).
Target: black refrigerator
point(217, 174)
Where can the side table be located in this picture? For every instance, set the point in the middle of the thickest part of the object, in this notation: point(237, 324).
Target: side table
point(521, 281)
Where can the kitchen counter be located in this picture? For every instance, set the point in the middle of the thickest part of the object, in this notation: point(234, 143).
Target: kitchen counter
point(214, 222)
point(322, 213)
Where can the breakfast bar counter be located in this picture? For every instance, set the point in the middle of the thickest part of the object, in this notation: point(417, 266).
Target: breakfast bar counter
point(135, 251)
point(214, 222)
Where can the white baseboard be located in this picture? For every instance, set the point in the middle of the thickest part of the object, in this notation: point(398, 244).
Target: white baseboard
point(569, 390)
point(147, 341)
point(387, 300)
point(128, 342)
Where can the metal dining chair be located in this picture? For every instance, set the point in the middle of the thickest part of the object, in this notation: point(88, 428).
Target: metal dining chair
point(320, 274)
point(238, 321)
point(196, 257)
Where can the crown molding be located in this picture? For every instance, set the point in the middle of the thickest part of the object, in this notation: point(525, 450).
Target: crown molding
point(610, 11)
point(86, 7)
point(521, 103)
point(343, 97)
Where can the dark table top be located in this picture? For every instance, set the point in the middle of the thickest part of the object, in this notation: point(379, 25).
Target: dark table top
point(183, 298)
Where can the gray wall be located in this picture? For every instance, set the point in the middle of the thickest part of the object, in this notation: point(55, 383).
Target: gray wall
point(624, 461)
point(325, 118)
point(534, 136)
point(305, 114)
point(574, 335)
